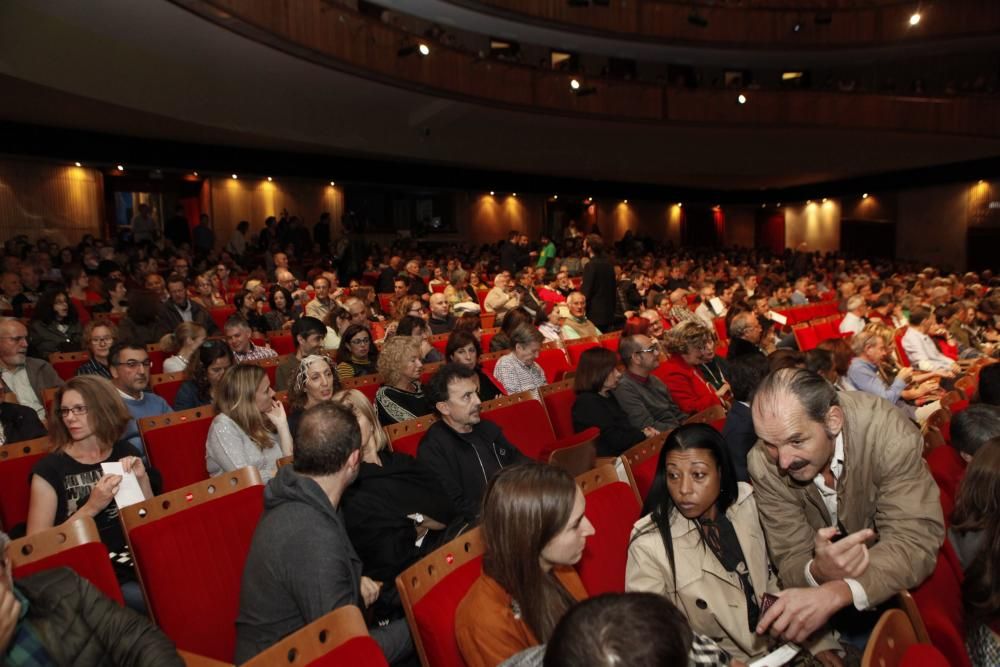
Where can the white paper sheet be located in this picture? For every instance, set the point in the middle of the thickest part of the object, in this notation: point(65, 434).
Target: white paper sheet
point(777, 317)
point(717, 304)
point(129, 491)
point(778, 657)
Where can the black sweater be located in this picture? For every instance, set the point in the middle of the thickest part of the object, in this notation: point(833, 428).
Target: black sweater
point(617, 434)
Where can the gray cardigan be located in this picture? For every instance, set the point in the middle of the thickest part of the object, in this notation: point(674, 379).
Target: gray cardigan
point(648, 404)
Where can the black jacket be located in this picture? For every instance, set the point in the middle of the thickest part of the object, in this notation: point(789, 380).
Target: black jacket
point(78, 625)
point(738, 347)
point(447, 325)
point(20, 423)
point(740, 438)
point(454, 459)
point(601, 290)
point(617, 433)
point(170, 318)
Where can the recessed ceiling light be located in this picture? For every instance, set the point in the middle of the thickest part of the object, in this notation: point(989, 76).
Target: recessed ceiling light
point(741, 98)
point(333, 184)
point(269, 179)
point(915, 18)
point(864, 195)
point(574, 84)
point(121, 167)
point(424, 50)
point(78, 164)
point(235, 177)
point(492, 193)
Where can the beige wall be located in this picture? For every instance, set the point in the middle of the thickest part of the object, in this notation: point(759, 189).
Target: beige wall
point(932, 225)
point(230, 201)
point(484, 218)
point(816, 224)
point(44, 200)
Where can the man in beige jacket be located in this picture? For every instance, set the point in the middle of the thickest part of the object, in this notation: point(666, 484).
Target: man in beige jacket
point(852, 513)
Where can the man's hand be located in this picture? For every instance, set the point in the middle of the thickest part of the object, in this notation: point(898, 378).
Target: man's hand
point(845, 559)
point(370, 590)
point(10, 610)
point(799, 612)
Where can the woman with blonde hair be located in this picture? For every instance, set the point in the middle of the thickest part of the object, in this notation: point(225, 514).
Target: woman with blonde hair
point(314, 382)
point(396, 510)
point(182, 343)
point(86, 423)
point(205, 294)
point(399, 366)
point(251, 428)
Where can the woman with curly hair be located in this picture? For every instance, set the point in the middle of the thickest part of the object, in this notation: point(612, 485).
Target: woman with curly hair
point(400, 397)
point(314, 382)
point(356, 355)
point(251, 428)
point(55, 326)
point(204, 372)
point(140, 324)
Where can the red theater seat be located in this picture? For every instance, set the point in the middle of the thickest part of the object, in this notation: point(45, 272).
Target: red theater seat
point(281, 342)
point(16, 462)
point(366, 384)
point(575, 348)
point(431, 590)
point(175, 444)
point(559, 398)
point(553, 362)
point(189, 548)
point(166, 385)
point(337, 638)
point(640, 464)
point(66, 363)
point(939, 600)
point(612, 508)
point(405, 436)
point(74, 544)
point(525, 423)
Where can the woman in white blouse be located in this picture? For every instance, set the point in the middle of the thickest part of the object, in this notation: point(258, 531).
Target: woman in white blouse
point(251, 428)
point(183, 343)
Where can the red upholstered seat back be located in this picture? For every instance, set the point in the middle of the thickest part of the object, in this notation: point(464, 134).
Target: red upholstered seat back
point(559, 405)
point(221, 314)
point(356, 652)
point(805, 337)
point(526, 425)
point(575, 350)
point(16, 462)
point(156, 358)
point(644, 473)
point(939, 600)
point(177, 451)
point(90, 561)
point(900, 352)
point(553, 362)
point(65, 364)
point(191, 563)
point(282, 343)
point(612, 508)
point(923, 655)
point(824, 330)
point(166, 385)
point(435, 615)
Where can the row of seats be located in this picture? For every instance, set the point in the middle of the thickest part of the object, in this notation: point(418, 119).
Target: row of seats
point(808, 335)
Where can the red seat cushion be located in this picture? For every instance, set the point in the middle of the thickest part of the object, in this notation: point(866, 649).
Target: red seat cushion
point(357, 651)
point(156, 358)
point(643, 474)
point(178, 452)
point(526, 426)
point(90, 561)
point(939, 600)
point(805, 337)
point(191, 563)
point(559, 405)
point(168, 390)
point(575, 351)
point(282, 343)
point(434, 615)
point(948, 468)
point(612, 509)
point(67, 369)
point(408, 444)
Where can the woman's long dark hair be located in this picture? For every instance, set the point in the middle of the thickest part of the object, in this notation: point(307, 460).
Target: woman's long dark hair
point(977, 508)
point(288, 299)
point(524, 508)
point(660, 506)
point(45, 308)
point(207, 354)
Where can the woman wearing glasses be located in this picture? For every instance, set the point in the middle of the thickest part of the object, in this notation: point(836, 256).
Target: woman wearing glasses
point(691, 344)
point(251, 428)
point(98, 337)
point(356, 354)
point(204, 372)
point(85, 423)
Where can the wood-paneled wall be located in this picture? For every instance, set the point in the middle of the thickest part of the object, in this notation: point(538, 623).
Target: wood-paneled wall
point(57, 202)
point(231, 201)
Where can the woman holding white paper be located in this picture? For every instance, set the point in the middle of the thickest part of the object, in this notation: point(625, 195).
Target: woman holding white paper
point(86, 421)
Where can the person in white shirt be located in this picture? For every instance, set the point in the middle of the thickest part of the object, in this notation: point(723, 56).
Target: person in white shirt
point(705, 311)
point(921, 350)
point(854, 321)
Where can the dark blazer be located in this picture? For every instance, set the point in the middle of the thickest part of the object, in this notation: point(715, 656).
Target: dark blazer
point(20, 423)
point(600, 288)
point(738, 347)
point(170, 318)
point(740, 438)
point(617, 434)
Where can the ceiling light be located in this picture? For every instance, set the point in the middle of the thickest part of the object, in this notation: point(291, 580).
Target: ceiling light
point(791, 76)
point(555, 196)
point(809, 202)
point(513, 194)
point(121, 167)
point(680, 205)
point(78, 164)
point(333, 184)
point(424, 50)
point(269, 179)
point(624, 201)
point(194, 173)
point(574, 84)
point(981, 181)
point(914, 18)
point(492, 193)
point(825, 200)
point(763, 205)
point(235, 177)
point(797, 27)
point(741, 98)
point(864, 195)
point(779, 204)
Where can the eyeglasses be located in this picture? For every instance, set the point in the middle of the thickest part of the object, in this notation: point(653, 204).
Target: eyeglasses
point(134, 363)
point(652, 348)
point(416, 311)
point(361, 341)
point(103, 339)
point(75, 410)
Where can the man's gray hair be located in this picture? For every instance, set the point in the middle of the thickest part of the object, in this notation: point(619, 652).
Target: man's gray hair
point(741, 322)
point(855, 302)
point(863, 340)
point(813, 392)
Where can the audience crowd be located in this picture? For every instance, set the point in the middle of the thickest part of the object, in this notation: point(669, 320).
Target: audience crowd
point(794, 493)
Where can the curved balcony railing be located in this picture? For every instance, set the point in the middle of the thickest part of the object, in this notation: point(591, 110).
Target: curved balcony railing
point(363, 46)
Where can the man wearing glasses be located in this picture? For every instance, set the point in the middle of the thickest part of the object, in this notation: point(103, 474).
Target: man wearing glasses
point(130, 374)
point(642, 395)
point(24, 375)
